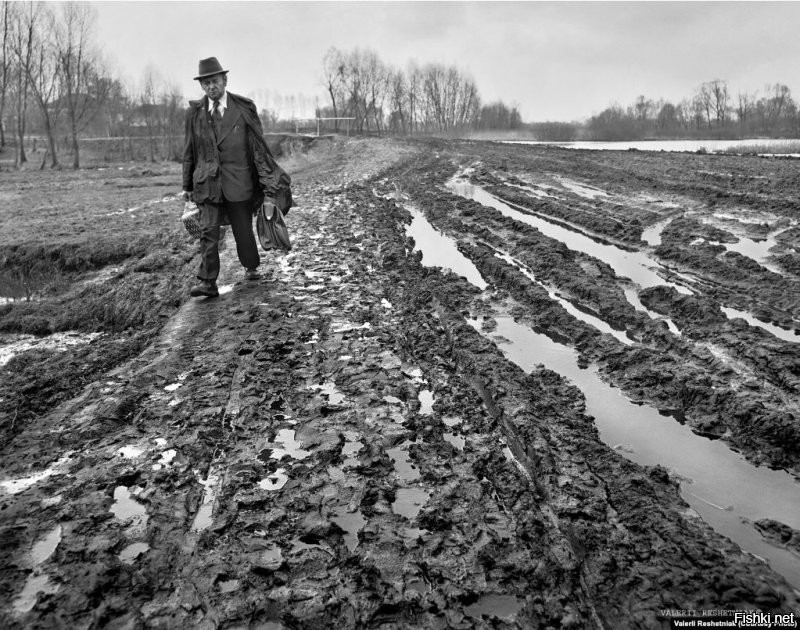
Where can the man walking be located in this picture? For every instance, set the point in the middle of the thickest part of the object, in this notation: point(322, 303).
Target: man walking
point(228, 170)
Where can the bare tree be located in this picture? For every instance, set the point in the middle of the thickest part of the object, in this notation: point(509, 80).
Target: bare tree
point(414, 74)
point(5, 68)
point(451, 99)
point(744, 108)
point(719, 100)
point(375, 86)
point(148, 106)
point(44, 77)
point(83, 86)
point(333, 69)
point(776, 104)
point(398, 102)
point(23, 20)
point(642, 107)
point(704, 102)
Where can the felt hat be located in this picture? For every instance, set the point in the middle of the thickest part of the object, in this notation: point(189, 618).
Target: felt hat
point(209, 67)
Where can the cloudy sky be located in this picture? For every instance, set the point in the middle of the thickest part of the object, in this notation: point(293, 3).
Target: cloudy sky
point(553, 60)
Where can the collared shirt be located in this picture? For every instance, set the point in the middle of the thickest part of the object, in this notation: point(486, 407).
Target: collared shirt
point(223, 104)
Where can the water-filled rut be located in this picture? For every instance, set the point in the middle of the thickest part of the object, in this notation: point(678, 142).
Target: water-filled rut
point(727, 491)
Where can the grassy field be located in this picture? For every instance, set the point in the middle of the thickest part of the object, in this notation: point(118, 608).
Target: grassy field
point(95, 250)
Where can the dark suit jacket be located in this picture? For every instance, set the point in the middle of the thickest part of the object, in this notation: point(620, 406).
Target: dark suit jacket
point(235, 166)
point(220, 164)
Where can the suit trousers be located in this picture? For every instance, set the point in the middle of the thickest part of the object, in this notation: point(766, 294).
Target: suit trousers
point(240, 216)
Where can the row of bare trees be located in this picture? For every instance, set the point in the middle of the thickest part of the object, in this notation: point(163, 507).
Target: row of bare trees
point(432, 98)
point(49, 60)
point(712, 111)
point(55, 85)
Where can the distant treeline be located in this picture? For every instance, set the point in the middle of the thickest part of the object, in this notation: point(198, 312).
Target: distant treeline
point(56, 88)
point(712, 112)
point(431, 98)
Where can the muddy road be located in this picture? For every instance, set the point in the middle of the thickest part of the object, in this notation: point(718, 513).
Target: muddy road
point(491, 386)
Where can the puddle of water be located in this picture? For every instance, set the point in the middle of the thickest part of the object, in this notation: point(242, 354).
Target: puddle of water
point(504, 607)
point(35, 584)
point(12, 345)
point(409, 501)
point(402, 462)
point(455, 439)
point(582, 190)
point(722, 487)
point(228, 586)
point(173, 387)
point(129, 510)
point(44, 548)
point(288, 446)
point(348, 451)
point(227, 288)
point(633, 298)
point(415, 374)
point(659, 145)
point(568, 306)
point(755, 250)
point(775, 331)
point(511, 458)
point(631, 264)
point(275, 481)
point(452, 421)
point(133, 551)
point(335, 397)
point(426, 401)
point(130, 452)
point(351, 523)
point(51, 501)
point(439, 250)
point(14, 486)
point(343, 327)
point(167, 456)
point(652, 234)
point(202, 519)
point(540, 192)
point(746, 219)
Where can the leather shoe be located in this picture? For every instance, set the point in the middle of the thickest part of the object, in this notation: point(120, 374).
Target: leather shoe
point(251, 274)
point(206, 287)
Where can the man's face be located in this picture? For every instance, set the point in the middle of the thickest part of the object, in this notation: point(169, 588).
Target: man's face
point(214, 86)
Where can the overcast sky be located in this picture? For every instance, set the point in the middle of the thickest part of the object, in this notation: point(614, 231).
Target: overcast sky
point(553, 60)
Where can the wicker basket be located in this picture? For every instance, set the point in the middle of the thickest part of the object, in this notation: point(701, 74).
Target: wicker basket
point(191, 221)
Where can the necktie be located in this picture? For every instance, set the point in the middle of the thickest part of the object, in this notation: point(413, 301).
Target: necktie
point(216, 116)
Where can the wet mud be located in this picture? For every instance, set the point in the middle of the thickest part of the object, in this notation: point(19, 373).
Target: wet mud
point(348, 442)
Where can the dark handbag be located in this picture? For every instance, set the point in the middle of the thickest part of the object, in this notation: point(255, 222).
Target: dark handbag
point(272, 232)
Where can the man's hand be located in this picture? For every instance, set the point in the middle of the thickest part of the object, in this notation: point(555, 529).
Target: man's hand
point(186, 195)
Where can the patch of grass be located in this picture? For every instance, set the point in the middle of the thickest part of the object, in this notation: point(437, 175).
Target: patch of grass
point(766, 147)
point(59, 228)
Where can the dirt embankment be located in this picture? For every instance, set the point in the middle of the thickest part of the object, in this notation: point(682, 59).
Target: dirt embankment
point(336, 445)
